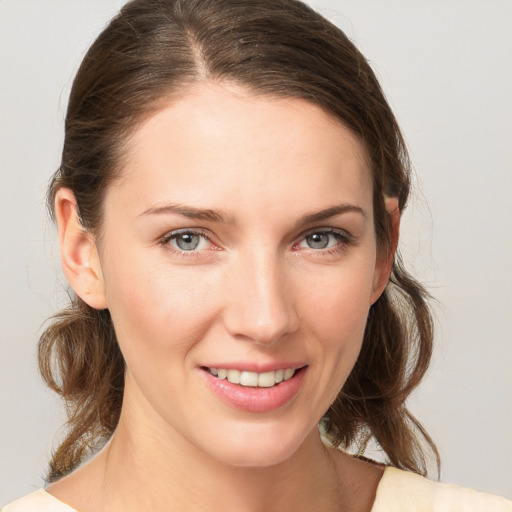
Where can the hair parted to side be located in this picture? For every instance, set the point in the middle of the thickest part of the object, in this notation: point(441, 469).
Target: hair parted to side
point(152, 52)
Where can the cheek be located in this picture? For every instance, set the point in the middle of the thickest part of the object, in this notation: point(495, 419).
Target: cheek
point(154, 309)
point(337, 303)
point(335, 314)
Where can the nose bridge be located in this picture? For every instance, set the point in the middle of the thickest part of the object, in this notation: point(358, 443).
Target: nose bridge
point(261, 304)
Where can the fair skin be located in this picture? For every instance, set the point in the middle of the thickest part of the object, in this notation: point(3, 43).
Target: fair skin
point(239, 237)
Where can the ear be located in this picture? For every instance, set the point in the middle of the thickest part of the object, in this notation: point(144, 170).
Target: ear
point(79, 254)
point(384, 263)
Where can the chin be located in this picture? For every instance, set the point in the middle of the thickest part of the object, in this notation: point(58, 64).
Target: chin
point(258, 450)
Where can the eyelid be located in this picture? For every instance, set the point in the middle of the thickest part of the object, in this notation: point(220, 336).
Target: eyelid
point(175, 232)
point(323, 229)
point(345, 240)
point(170, 235)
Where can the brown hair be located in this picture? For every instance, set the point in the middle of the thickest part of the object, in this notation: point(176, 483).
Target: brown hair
point(155, 49)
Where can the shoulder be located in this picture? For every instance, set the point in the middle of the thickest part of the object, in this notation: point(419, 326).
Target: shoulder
point(405, 491)
point(39, 501)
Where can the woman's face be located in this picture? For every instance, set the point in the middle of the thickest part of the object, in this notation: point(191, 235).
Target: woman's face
point(238, 250)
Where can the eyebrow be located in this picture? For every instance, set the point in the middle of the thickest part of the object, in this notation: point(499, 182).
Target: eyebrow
point(332, 211)
point(189, 211)
point(217, 216)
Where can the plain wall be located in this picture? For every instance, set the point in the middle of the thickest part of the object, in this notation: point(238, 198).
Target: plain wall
point(445, 67)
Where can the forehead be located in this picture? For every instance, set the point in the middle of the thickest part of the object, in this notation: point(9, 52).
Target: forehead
point(224, 145)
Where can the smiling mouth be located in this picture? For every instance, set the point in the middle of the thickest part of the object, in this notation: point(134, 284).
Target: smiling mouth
point(253, 379)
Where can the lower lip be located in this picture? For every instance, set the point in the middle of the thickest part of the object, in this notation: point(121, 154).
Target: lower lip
point(254, 399)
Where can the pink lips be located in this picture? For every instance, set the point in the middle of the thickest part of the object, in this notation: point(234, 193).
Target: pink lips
point(255, 399)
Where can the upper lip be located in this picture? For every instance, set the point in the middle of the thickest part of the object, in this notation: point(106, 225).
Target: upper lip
point(256, 367)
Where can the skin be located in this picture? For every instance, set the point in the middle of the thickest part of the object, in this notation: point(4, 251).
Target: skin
point(253, 291)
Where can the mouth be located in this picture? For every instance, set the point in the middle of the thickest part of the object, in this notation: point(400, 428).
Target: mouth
point(253, 379)
point(255, 392)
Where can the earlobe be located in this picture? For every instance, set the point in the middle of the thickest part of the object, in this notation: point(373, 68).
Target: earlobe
point(79, 254)
point(385, 261)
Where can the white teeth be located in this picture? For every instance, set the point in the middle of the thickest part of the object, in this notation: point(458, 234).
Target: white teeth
point(267, 379)
point(249, 379)
point(234, 376)
point(288, 373)
point(253, 379)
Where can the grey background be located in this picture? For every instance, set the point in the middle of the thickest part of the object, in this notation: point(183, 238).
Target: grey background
point(445, 67)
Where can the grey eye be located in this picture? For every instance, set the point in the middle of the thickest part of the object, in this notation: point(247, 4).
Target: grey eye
point(318, 240)
point(187, 241)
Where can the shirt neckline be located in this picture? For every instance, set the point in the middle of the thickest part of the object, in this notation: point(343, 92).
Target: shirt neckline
point(381, 484)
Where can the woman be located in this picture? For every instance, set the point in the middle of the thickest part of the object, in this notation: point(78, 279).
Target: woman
point(228, 206)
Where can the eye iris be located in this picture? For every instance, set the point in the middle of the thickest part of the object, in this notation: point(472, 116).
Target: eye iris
point(318, 240)
point(187, 241)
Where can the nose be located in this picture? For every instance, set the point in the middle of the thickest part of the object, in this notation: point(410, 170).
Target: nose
point(260, 305)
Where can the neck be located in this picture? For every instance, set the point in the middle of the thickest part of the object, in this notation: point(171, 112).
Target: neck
point(168, 474)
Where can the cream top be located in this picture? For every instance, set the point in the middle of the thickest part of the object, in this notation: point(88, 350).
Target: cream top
point(398, 491)
point(403, 491)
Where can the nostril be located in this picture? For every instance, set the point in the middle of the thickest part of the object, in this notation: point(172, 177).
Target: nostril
point(260, 307)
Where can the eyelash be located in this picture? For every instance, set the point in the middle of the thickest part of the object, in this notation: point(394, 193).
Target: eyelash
point(344, 240)
point(173, 235)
